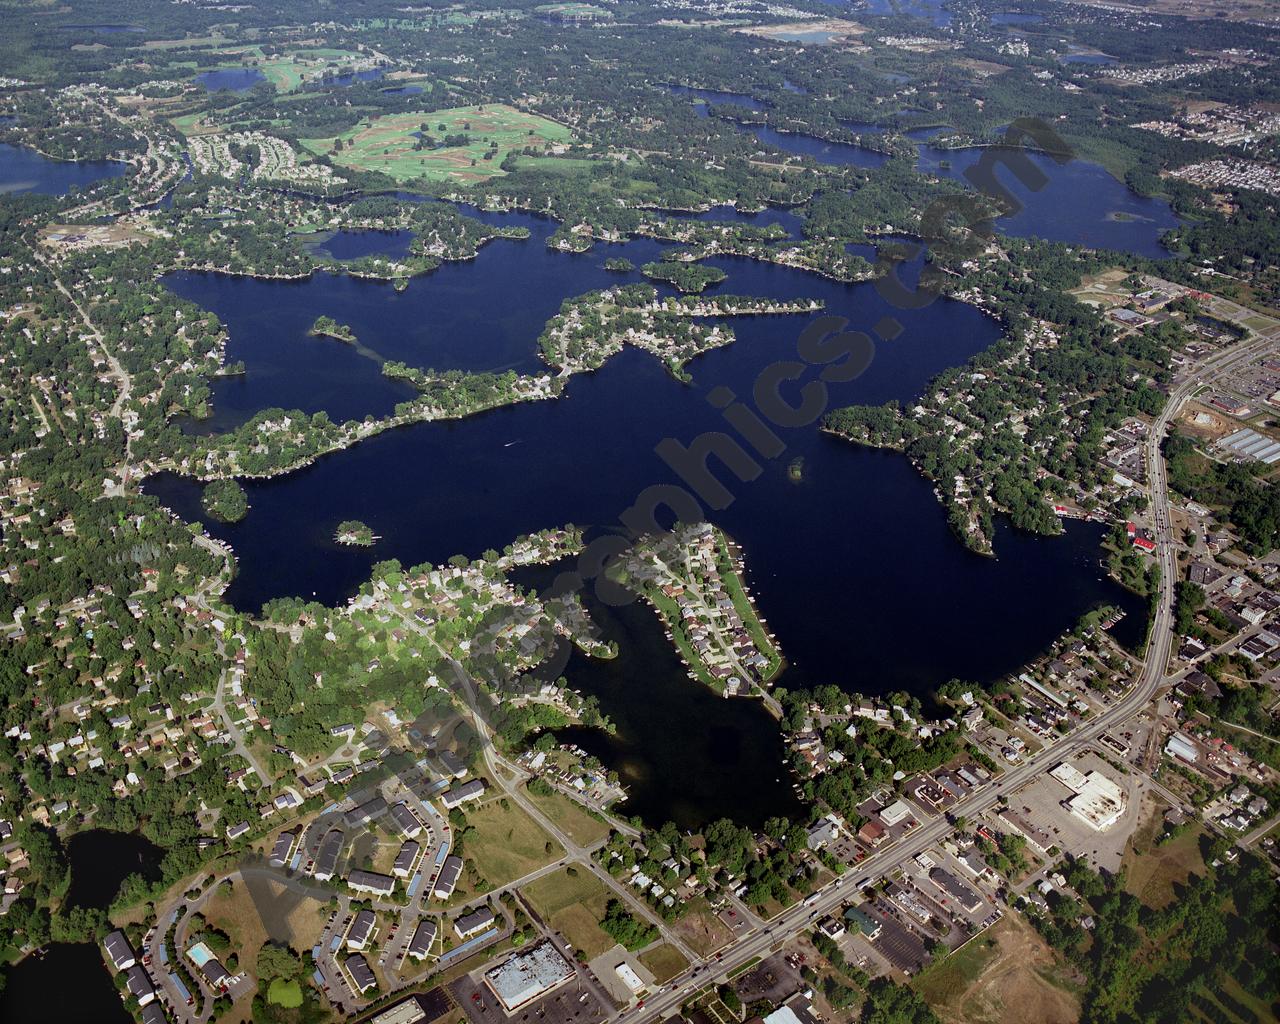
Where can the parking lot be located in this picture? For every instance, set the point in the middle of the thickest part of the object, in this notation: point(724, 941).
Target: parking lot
point(572, 1003)
point(1039, 804)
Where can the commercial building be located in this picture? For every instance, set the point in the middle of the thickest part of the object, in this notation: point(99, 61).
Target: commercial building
point(1096, 800)
point(895, 813)
point(859, 920)
point(1183, 748)
point(447, 879)
point(474, 923)
point(407, 1012)
point(627, 975)
point(529, 975)
point(424, 937)
point(956, 889)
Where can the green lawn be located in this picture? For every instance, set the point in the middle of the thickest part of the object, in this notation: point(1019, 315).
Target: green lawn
point(574, 906)
point(571, 818)
point(664, 961)
point(507, 843)
point(285, 993)
point(944, 983)
point(386, 143)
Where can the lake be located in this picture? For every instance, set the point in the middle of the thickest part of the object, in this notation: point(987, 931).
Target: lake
point(101, 860)
point(231, 79)
point(352, 245)
point(25, 170)
point(105, 30)
point(1080, 203)
point(854, 566)
point(676, 743)
point(353, 77)
point(835, 153)
point(68, 984)
point(930, 10)
point(736, 99)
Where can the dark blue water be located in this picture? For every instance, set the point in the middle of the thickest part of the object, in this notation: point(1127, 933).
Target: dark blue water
point(1079, 203)
point(466, 316)
point(105, 30)
point(854, 566)
point(67, 983)
point(760, 218)
point(352, 77)
point(25, 170)
point(684, 753)
point(402, 90)
point(861, 538)
point(352, 245)
point(835, 153)
point(930, 10)
point(736, 99)
point(101, 860)
point(231, 79)
point(921, 134)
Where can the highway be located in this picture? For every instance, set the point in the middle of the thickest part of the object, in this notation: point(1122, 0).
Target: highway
point(758, 942)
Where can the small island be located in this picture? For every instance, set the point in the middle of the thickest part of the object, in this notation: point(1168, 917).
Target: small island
point(327, 327)
point(225, 500)
point(688, 277)
point(795, 469)
point(354, 533)
point(619, 265)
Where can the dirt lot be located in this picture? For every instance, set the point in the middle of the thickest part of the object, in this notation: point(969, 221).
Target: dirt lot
point(1005, 976)
point(1152, 872)
point(701, 930)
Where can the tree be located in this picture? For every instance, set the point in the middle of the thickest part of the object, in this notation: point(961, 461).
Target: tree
point(278, 962)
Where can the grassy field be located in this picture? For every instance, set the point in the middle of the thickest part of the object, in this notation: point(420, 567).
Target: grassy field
point(289, 72)
point(1005, 975)
point(943, 983)
point(507, 843)
point(701, 930)
point(285, 993)
point(574, 906)
point(571, 818)
point(386, 143)
point(1153, 874)
point(664, 961)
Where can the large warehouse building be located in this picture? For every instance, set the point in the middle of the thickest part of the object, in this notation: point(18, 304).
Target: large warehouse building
point(528, 976)
point(1097, 800)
